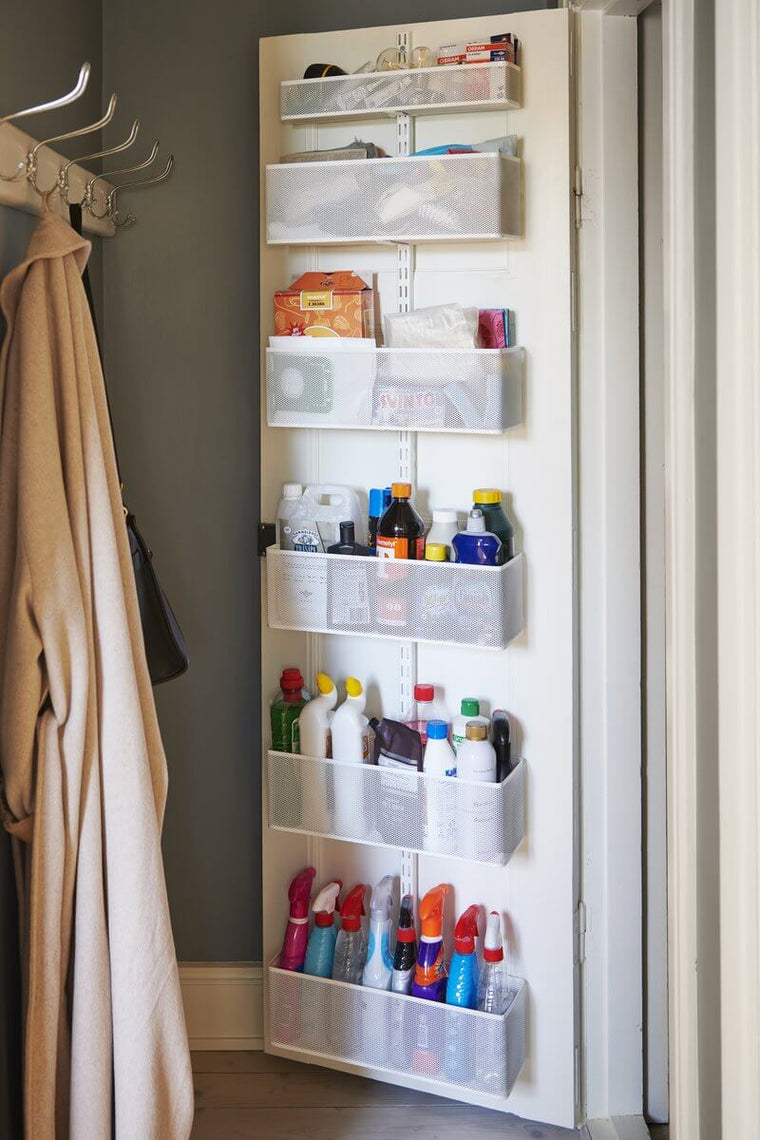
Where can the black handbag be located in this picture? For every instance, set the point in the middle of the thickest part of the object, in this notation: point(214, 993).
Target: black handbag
point(165, 647)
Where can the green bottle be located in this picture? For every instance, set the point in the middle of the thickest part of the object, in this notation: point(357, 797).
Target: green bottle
point(488, 500)
point(286, 710)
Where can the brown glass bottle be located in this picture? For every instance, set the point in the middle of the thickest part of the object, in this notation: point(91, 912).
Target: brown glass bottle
point(401, 531)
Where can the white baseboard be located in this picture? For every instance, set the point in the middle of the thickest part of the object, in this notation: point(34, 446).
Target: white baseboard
point(224, 1007)
point(618, 1128)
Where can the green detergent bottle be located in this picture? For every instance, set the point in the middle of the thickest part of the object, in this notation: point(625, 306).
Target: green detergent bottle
point(286, 710)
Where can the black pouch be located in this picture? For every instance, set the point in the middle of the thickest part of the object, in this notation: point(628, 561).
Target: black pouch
point(398, 748)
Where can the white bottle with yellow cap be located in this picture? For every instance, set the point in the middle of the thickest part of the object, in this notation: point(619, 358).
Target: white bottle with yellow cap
point(314, 728)
point(476, 806)
point(350, 745)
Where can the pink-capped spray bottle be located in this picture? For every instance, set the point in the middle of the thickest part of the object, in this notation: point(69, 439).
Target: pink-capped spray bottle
point(296, 940)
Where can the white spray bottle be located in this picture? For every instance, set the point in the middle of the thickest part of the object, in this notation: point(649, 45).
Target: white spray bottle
point(377, 974)
point(350, 745)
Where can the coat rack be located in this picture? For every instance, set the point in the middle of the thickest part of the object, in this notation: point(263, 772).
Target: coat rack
point(30, 169)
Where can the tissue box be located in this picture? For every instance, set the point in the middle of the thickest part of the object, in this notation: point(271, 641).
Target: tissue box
point(325, 304)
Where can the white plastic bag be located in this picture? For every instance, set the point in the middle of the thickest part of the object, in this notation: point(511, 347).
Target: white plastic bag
point(440, 326)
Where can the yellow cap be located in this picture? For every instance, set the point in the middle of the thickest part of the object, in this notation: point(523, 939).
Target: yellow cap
point(475, 731)
point(354, 687)
point(401, 490)
point(324, 683)
point(486, 495)
point(435, 552)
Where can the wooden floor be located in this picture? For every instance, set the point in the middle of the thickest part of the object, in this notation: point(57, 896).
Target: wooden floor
point(250, 1096)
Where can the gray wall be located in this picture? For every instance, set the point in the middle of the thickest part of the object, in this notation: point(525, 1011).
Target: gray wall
point(181, 309)
point(41, 49)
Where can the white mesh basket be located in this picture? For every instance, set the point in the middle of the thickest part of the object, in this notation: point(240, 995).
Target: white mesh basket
point(446, 197)
point(385, 807)
point(458, 1048)
point(415, 389)
point(447, 603)
point(434, 89)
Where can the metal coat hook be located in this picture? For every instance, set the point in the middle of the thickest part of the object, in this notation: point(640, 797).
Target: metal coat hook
point(89, 191)
point(62, 184)
point(31, 159)
point(62, 101)
point(130, 220)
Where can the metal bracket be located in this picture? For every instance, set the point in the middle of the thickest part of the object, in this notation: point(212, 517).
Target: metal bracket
point(581, 929)
point(578, 196)
point(267, 537)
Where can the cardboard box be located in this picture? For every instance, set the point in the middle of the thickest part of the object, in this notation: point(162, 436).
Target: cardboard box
point(325, 304)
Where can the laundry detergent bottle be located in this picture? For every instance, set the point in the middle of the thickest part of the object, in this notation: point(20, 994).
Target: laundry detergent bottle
point(321, 949)
point(296, 937)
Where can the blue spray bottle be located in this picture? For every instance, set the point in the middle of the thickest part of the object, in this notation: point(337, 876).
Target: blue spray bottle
point(462, 990)
point(321, 949)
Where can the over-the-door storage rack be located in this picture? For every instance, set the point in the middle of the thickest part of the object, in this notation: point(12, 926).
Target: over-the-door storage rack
point(315, 205)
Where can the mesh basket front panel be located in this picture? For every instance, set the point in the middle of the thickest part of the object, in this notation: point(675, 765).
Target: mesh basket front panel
point(400, 199)
point(481, 822)
point(400, 91)
point(411, 389)
point(377, 1028)
point(441, 602)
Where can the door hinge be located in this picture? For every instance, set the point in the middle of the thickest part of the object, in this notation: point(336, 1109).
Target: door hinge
point(267, 537)
point(582, 926)
point(578, 196)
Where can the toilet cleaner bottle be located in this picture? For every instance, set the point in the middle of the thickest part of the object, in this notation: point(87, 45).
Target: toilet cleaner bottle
point(314, 720)
point(296, 937)
point(321, 949)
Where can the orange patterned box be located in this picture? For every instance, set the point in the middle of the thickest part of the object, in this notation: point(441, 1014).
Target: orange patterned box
point(325, 304)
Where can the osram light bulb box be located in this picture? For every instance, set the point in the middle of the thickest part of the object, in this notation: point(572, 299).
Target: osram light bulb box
point(325, 304)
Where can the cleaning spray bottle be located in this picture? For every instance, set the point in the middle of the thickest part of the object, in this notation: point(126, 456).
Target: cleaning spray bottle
point(493, 997)
point(462, 990)
point(351, 943)
point(462, 986)
point(297, 931)
point(430, 973)
point(321, 949)
point(350, 745)
point(377, 974)
point(314, 732)
point(430, 982)
point(404, 962)
point(405, 956)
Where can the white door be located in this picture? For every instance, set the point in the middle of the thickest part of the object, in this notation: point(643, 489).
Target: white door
point(535, 677)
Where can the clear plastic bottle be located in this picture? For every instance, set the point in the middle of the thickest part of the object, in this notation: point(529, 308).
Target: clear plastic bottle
point(493, 987)
point(351, 943)
point(427, 707)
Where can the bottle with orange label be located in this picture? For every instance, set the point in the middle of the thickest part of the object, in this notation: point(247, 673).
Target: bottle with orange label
point(401, 531)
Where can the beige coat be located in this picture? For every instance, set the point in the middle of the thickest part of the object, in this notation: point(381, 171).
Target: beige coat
point(80, 752)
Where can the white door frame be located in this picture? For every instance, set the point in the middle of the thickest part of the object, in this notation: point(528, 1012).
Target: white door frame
point(737, 31)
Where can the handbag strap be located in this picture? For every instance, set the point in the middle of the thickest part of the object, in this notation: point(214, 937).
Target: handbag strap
point(75, 220)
